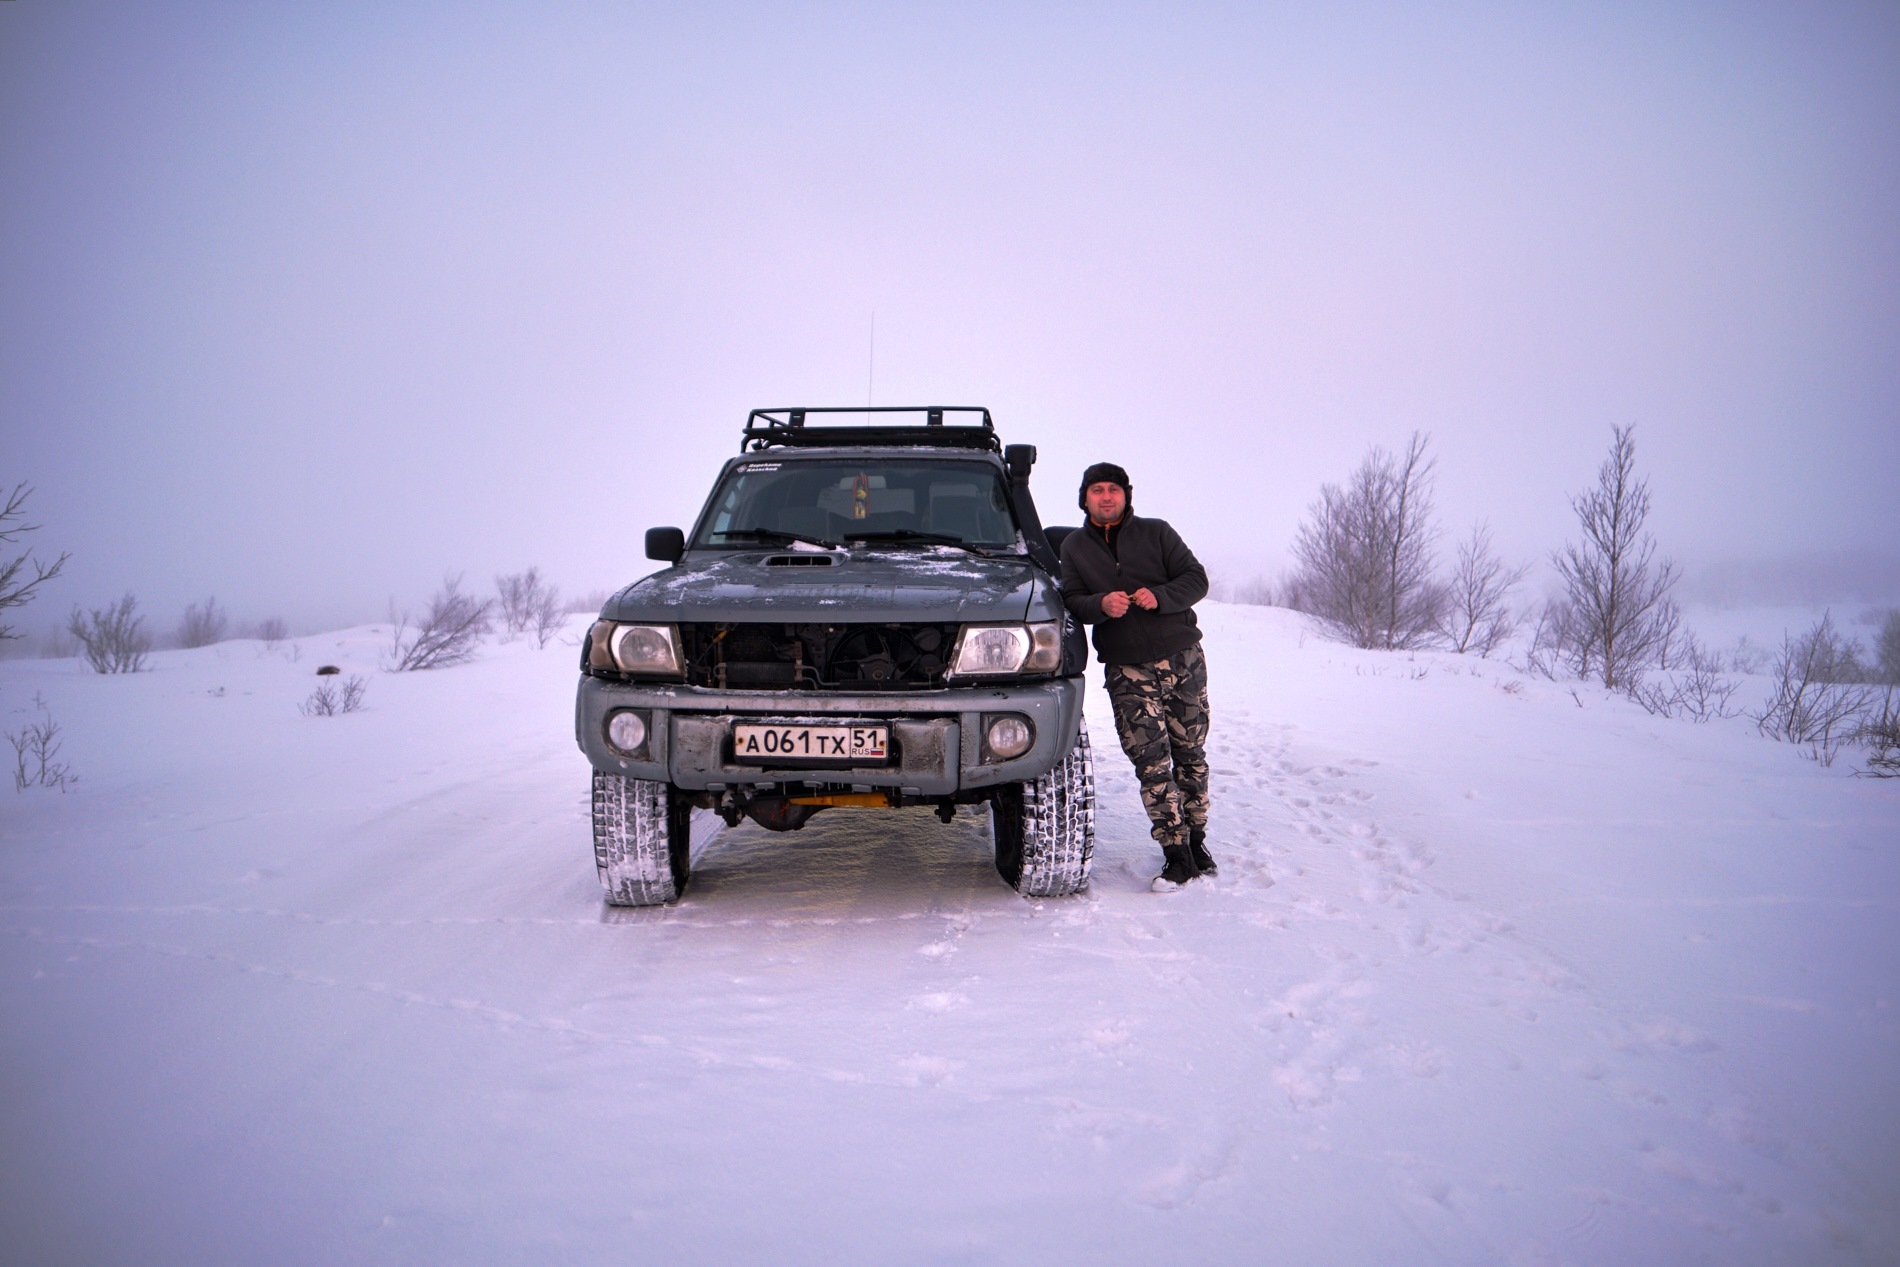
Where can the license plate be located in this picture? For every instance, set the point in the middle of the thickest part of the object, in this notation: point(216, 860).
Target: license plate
point(839, 745)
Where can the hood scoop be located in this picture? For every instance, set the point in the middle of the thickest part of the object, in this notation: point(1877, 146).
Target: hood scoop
point(800, 561)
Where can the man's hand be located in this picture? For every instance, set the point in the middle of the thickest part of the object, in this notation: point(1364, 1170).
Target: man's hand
point(1115, 603)
point(1145, 599)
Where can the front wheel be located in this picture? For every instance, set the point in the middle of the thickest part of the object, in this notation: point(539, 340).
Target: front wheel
point(1045, 828)
point(642, 840)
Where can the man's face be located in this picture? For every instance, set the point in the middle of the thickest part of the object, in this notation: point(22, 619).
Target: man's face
point(1106, 501)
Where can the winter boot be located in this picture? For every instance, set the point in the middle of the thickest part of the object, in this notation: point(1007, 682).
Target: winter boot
point(1179, 871)
point(1197, 846)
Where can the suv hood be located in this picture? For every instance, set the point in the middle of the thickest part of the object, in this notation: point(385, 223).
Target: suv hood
point(865, 586)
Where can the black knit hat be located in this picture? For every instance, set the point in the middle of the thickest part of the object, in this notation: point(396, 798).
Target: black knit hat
point(1104, 473)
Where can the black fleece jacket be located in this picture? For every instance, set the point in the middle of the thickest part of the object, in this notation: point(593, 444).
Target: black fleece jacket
point(1127, 556)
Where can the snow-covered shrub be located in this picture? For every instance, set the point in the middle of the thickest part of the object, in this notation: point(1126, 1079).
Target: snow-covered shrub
point(1818, 697)
point(1617, 618)
point(1746, 657)
point(1477, 614)
point(113, 638)
point(1365, 553)
point(331, 698)
point(448, 634)
point(272, 632)
point(1693, 686)
point(17, 587)
point(35, 752)
point(1546, 656)
point(203, 626)
point(529, 605)
point(548, 620)
point(1880, 731)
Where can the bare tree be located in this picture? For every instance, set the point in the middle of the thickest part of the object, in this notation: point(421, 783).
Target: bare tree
point(1365, 552)
point(203, 626)
point(1887, 649)
point(547, 621)
point(448, 634)
point(1477, 613)
point(21, 575)
point(514, 592)
point(1618, 615)
point(529, 605)
point(113, 638)
point(1817, 696)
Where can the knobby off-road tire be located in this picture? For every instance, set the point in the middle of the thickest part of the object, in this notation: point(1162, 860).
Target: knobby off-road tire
point(1045, 828)
point(642, 840)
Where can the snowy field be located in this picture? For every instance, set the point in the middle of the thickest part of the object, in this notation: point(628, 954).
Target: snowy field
point(1493, 972)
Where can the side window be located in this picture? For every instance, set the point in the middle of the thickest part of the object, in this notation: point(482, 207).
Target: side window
point(722, 516)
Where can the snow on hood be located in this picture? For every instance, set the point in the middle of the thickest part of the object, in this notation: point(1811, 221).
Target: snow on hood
point(939, 583)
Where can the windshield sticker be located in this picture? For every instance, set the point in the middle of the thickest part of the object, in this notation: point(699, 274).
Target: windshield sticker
point(760, 466)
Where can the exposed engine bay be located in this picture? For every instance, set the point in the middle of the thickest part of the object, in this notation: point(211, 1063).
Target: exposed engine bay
point(881, 657)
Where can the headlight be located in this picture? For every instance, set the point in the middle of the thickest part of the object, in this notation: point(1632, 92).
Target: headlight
point(1009, 736)
point(987, 650)
point(994, 650)
point(627, 731)
point(647, 649)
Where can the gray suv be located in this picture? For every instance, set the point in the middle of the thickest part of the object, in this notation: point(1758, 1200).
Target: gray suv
point(865, 615)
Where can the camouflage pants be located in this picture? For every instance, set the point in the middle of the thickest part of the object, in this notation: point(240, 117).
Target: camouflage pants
point(1161, 717)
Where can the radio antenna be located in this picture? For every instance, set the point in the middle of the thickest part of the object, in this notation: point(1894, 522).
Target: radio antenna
point(870, 374)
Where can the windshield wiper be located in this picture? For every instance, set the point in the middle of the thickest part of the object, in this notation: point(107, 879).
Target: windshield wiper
point(911, 534)
point(774, 536)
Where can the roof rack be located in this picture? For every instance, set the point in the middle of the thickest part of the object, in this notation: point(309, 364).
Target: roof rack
point(767, 428)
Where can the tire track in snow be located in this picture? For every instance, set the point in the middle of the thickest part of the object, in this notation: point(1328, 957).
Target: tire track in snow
point(917, 1073)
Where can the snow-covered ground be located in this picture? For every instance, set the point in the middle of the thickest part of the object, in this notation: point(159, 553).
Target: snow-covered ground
point(1494, 971)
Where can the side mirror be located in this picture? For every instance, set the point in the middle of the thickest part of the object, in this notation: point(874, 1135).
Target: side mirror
point(665, 544)
point(1019, 458)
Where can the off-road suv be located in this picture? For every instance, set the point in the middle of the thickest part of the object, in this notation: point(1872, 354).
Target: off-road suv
point(864, 615)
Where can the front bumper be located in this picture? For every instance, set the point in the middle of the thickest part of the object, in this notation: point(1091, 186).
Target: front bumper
point(936, 736)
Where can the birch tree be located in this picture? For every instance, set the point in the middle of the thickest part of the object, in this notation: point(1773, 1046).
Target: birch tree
point(1365, 552)
point(1618, 615)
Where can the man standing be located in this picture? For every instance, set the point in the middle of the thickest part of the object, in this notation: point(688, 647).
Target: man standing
point(1136, 581)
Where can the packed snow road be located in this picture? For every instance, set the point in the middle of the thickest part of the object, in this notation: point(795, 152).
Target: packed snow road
point(1492, 972)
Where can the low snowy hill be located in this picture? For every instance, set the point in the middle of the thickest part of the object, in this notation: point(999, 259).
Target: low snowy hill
point(1494, 971)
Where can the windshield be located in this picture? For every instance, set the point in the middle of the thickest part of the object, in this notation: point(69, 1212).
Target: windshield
point(831, 501)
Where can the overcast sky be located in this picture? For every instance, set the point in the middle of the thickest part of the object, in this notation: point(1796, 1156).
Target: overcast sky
point(305, 305)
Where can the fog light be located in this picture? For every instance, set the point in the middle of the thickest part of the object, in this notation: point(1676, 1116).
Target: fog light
point(1010, 737)
point(627, 731)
